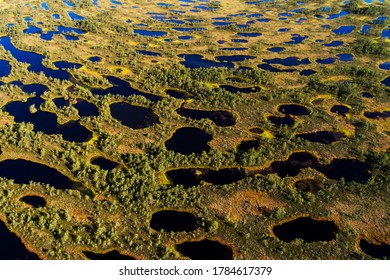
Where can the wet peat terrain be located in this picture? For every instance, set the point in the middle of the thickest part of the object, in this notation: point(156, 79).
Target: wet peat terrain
point(194, 129)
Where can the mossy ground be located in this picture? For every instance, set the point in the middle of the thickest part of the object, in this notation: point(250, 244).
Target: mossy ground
point(240, 214)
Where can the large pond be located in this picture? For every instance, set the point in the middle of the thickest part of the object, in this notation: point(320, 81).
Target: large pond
point(23, 172)
point(234, 89)
point(349, 169)
point(12, 248)
point(169, 220)
point(194, 61)
point(84, 108)
point(306, 228)
point(378, 251)
point(45, 122)
point(35, 60)
point(294, 110)
point(5, 68)
point(188, 140)
point(205, 250)
point(132, 116)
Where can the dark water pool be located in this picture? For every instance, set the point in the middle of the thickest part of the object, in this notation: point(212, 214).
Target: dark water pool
point(349, 169)
point(205, 250)
point(279, 121)
point(176, 94)
point(193, 176)
point(123, 88)
point(176, 221)
point(148, 53)
point(234, 89)
point(377, 115)
point(385, 65)
point(294, 109)
point(5, 68)
point(386, 81)
point(84, 108)
point(188, 140)
point(112, 255)
point(149, 33)
point(276, 49)
point(104, 163)
point(134, 117)
point(288, 61)
point(220, 118)
point(307, 72)
point(341, 110)
point(378, 251)
point(23, 171)
point(95, 59)
point(306, 228)
point(34, 200)
point(45, 122)
point(329, 60)
point(12, 248)
point(343, 30)
point(323, 137)
point(193, 61)
point(35, 60)
point(246, 145)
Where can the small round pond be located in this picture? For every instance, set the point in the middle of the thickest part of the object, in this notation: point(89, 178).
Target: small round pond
point(341, 110)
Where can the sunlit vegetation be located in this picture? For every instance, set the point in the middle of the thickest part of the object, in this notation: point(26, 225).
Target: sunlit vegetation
point(221, 129)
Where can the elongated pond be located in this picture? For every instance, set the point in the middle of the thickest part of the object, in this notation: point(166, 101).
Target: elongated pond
point(205, 250)
point(193, 176)
point(112, 255)
point(23, 171)
point(169, 220)
point(220, 118)
point(34, 200)
point(12, 248)
point(306, 228)
point(378, 251)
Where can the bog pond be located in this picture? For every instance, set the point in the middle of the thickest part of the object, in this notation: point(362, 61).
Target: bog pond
point(307, 229)
point(194, 130)
point(13, 248)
